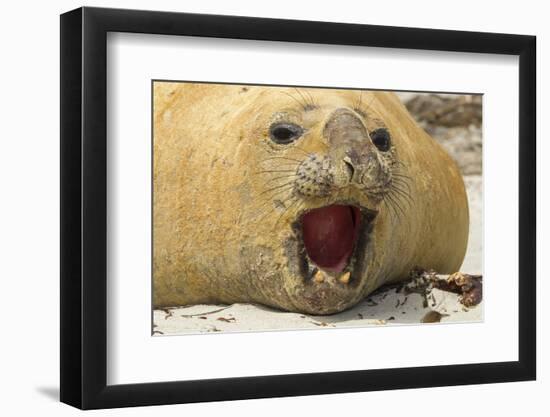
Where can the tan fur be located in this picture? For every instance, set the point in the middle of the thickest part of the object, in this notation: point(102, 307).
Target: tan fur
point(220, 238)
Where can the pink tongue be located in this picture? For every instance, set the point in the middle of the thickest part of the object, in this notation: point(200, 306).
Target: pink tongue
point(329, 235)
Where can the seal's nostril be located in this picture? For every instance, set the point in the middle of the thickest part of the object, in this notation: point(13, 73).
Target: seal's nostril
point(349, 167)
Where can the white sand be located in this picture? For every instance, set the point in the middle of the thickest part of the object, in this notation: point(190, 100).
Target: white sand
point(384, 308)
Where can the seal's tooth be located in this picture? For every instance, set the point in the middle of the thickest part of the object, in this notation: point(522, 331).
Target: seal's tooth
point(344, 278)
point(319, 276)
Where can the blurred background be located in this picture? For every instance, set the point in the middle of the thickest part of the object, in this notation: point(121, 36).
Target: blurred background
point(455, 121)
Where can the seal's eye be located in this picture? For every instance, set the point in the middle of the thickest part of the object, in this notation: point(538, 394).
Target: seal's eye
point(381, 139)
point(285, 133)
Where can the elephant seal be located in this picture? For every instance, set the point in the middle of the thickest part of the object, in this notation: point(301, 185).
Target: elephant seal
point(305, 199)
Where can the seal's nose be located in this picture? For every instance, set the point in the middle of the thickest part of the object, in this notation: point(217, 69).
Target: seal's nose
point(351, 150)
point(344, 127)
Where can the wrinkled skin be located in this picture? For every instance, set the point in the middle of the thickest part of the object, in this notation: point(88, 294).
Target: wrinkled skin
point(227, 226)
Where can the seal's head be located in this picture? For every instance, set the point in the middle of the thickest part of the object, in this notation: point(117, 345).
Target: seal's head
point(302, 199)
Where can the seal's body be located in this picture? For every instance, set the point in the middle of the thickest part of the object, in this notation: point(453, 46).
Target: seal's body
point(301, 199)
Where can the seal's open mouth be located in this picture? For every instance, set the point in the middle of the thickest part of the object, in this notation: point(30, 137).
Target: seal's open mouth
point(334, 242)
point(330, 234)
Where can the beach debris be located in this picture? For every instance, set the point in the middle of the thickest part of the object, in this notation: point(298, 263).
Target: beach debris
point(322, 324)
point(432, 317)
point(227, 319)
point(468, 287)
point(167, 312)
point(187, 316)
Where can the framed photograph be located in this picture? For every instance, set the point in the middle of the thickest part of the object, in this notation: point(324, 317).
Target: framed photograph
point(256, 208)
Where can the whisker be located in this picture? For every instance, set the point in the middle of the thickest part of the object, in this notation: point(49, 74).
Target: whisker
point(270, 171)
point(306, 104)
point(281, 157)
point(285, 165)
point(295, 99)
point(391, 209)
point(272, 197)
point(360, 100)
point(403, 177)
point(286, 184)
point(285, 210)
point(370, 102)
point(396, 208)
point(400, 182)
point(396, 204)
point(281, 196)
point(311, 100)
point(281, 177)
point(405, 196)
point(402, 164)
point(264, 213)
point(263, 208)
point(306, 153)
point(399, 171)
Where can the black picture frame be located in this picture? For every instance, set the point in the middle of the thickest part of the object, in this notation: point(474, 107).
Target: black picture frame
point(84, 209)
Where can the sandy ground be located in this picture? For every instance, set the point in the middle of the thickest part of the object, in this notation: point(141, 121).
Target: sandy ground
point(458, 129)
